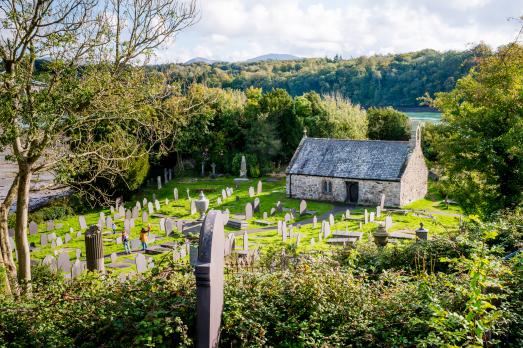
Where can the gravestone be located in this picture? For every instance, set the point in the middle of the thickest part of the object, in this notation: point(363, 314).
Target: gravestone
point(50, 261)
point(157, 205)
point(150, 208)
point(78, 234)
point(219, 201)
point(135, 244)
point(251, 191)
point(188, 194)
point(225, 217)
point(100, 223)
point(371, 216)
point(229, 244)
point(279, 207)
point(112, 209)
point(248, 211)
point(51, 236)
point(162, 224)
point(347, 214)
point(135, 213)
point(175, 194)
point(11, 242)
point(118, 240)
point(78, 253)
point(256, 205)
point(209, 281)
point(265, 216)
point(382, 203)
point(121, 212)
point(43, 239)
point(378, 211)
point(50, 225)
point(81, 221)
point(159, 182)
point(145, 217)
point(67, 238)
point(279, 227)
point(141, 263)
point(102, 216)
point(303, 207)
point(138, 205)
point(166, 201)
point(312, 241)
point(109, 222)
point(127, 225)
point(33, 228)
point(144, 202)
point(113, 258)
point(193, 207)
point(245, 241)
point(273, 211)
point(366, 217)
point(179, 225)
point(63, 263)
point(284, 232)
point(331, 219)
point(169, 225)
point(314, 221)
point(388, 222)
point(259, 189)
point(77, 269)
point(287, 217)
point(224, 195)
point(298, 239)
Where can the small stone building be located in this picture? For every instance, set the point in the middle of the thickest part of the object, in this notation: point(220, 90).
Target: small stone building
point(358, 171)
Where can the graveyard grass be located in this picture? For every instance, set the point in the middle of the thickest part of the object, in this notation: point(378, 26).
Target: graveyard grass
point(436, 218)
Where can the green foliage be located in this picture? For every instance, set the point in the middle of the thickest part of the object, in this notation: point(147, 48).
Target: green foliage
point(388, 124)
point(480, 140)
point(56, 210)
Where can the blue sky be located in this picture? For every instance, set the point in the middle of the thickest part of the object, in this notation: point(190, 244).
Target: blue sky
point(236, 30)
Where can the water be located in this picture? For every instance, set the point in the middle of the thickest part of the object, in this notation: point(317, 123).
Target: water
point(432, 117)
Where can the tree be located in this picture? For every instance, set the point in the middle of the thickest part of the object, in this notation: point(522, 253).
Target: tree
point(89, 109)
point(480, 138)
point(388, 124)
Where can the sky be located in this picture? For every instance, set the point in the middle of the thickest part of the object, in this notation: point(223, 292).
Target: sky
point(236, 30)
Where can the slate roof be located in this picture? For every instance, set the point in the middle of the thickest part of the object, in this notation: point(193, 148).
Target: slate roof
point(351, 159)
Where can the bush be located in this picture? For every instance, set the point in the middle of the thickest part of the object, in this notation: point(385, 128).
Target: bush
point(388, 124)
point(252, 162)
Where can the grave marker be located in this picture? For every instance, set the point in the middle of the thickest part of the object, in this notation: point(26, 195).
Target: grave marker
point(33, 228)
point(303, 207)
point(331, 219)
point(378, 211)
point(162, 224)
point(245, 241)
point(150, 208)
point(382, 203)
point(251, 191)
point(314, 221)
point(50, 225)
point(366, 217)
point(388, 222)
point(175, 194)
point(141, 262)
point(81, 221)
point(256, 205)
point(43, 239)
point(259, 189)
point(144, 217)
point(159, 182)
point(371, 217)
point(67, 238)
point(64, 264)
point(193, 207)
point(273, 211)
point(168, 227)
point(248, 211)
point(157, 205)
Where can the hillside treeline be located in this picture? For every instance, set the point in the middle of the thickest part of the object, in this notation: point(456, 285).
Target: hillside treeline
point(380, 80)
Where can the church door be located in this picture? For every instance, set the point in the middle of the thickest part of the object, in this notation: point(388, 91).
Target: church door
point(352, 192)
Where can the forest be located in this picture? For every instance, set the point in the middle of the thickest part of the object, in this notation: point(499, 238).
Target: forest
point(381, 80)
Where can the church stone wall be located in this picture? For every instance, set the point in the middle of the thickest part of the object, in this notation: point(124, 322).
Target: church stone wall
point(370, 191)
point(414, 179)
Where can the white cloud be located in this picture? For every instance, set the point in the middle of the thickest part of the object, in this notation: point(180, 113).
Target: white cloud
point(241, 29)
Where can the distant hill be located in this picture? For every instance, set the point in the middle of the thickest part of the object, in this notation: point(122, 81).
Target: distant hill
point(273, 57)
point(201, 60)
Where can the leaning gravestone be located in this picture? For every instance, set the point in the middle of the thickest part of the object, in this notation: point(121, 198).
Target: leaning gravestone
point(209, 281)
point(303, 207)
point(248, 211)
point(259, 188)
point(273, 211)
point(141, 263)
point(33, 228)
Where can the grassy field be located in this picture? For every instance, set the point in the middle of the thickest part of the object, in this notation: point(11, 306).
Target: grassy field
point(442, 222)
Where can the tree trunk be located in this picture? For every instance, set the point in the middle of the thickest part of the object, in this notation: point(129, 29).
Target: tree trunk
point(22, 208)
point(6, 257)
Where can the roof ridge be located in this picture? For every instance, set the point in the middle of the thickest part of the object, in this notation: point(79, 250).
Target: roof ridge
point(363, 140)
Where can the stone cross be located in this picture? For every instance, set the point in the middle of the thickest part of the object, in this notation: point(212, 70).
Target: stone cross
point(259, 188)
point(209, 281)
point(248, 211)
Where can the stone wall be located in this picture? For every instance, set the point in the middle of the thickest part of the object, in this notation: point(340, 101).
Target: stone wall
point(370, 191)
point(414, 179)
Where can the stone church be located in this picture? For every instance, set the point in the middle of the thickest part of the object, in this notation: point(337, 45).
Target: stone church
point(358, 171)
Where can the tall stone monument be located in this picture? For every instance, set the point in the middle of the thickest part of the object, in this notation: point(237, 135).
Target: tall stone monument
point(209, 280)
point(243, 168)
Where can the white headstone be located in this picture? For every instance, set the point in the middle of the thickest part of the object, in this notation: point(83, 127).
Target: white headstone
point(144, 202)
point(141, 263)
point(78, 253)
point(388, 222)
point(256, 205)
point(279, 227)
point(382, 203)
point(144, 217)
point(67, 238)
point(378, 211)
point(347, 214)
point(259, 189)
point(64, 264)
point(193, 207)
point(121, 212)
point(169, 225)
point(162, 224)
point(366, 217)
point(251, 191)
point(150, 208)
point(371, 216)
point(175, 194)
point(159, 181)
point(109, 222)
point(248, 211)
point(265, 216)
point(59, 241)
point(81, 220)
point(314, 221)
point(331, 219)
point(157, 205)
point(245, 241)
point(135, 213)
point(273, 211)
point(224, 195)
point(219, 201)
point(303, 207)
point(287, 217)
point(43, 239)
